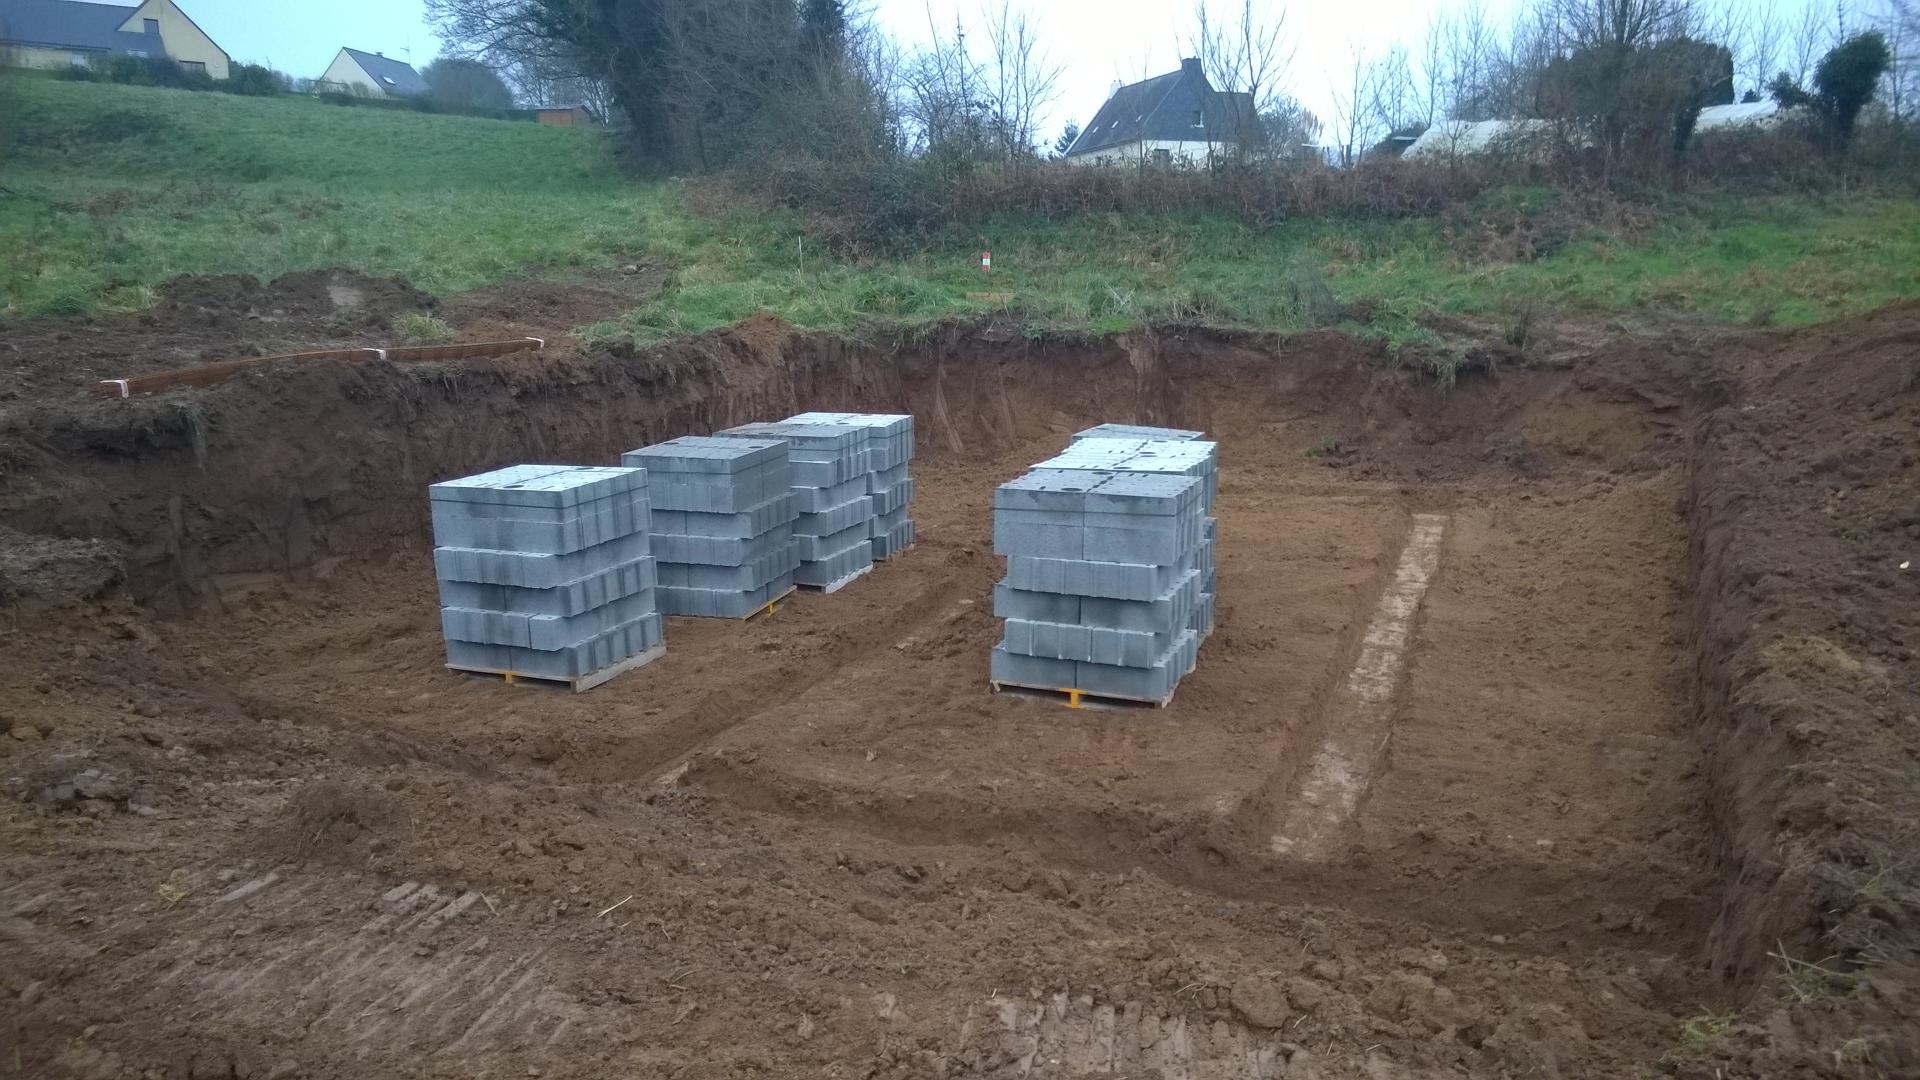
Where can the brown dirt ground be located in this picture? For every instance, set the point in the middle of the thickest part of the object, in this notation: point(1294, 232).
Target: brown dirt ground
point(1657, 721)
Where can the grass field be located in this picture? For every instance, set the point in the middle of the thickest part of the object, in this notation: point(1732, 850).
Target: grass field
point(117, 189)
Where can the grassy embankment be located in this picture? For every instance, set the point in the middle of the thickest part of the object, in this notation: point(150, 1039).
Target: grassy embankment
point(116, 189)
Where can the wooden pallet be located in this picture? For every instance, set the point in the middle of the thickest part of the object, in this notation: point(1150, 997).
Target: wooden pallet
point(579, 684)
point(836, 586)
point(1074, 698)
point(769, 607)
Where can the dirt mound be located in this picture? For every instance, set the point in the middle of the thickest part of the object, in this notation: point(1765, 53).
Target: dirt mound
point(342, 302)
point(43, 569)
point(1806, 519)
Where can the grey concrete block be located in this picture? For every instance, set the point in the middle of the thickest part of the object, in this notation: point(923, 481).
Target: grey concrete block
point(540, 485)
point(568, 598)
point(881, 524)
point(1170, 611)
point(720, 550)
point(535, 570)
point(883, 478)
point(755, 520)
point(895, 540)
point(1081, 577)
point(543, 632)
point(1037, 671)
point(1088, 644)
point(723, 603)
point(896, 498)
point(815, 500)
point(749, 575)
point(817, 548)
point(805, 436)
point(604, 650)
point(1040, 541)
point(1136, 431)
point(1012, 603)
point(543, 537)
point(820, 573)
point(706, 454)
point(1134, 545)
point(835, 520)
point(878, 425)
point(1149, 683)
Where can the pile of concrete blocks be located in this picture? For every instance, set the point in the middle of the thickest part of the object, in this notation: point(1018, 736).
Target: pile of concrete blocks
point(834, 527)
point(723, 523)
point(889, 480)
point(1101, 584)
point(546, 571)
point(1128, 448)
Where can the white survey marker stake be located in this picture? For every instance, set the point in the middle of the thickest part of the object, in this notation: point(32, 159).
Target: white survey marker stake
point(986, 262)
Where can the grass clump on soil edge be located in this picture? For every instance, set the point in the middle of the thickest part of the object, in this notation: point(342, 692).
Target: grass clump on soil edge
point(121, 188)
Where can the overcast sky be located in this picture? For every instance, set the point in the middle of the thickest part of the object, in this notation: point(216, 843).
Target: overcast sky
point(1095, 41)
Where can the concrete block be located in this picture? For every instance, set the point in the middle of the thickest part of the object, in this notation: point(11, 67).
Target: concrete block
point(816, 548)
point(894, 540)
point(1040, 541)
point(568, 598)
point(820, 573)
point(896, 498)
point(815, 500)
point(603, 650)
point(535, 570)
point(748, 576)
point(706, 454)
point(543, 632)
point(723, 603)
point(779, 510)
point(884, 478)
point(1011, 667)
point(1136, 431)
point(1081, 577)
point(805, 436)
point(1149, 683)
point(1169, 612)
point(1012, 603)
point(543, 537)
point(834, 520)
point(540, 485)
point(720, 550)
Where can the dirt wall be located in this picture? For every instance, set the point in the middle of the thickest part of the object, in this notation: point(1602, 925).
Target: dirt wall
point(286, 470)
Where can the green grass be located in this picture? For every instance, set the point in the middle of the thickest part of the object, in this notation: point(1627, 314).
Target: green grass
point(120, 188)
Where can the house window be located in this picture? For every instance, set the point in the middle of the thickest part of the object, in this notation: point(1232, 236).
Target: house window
point(151, 26)
point(1198, 121)
point(194, 67)
point(1163, 156)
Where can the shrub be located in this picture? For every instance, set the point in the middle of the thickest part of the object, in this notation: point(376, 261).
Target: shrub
point(256, 80)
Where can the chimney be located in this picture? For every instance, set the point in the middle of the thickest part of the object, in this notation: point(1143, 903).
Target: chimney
point(381, 55)
point(1191, 66)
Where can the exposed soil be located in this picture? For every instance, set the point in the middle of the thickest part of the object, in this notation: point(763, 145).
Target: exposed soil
point(1654, 720)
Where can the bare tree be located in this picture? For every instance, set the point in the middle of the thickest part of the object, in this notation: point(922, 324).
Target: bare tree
point(1021, 80)
point(1758, 43)
point(1353, 123)
point(1433, 69)
point(1246, 52)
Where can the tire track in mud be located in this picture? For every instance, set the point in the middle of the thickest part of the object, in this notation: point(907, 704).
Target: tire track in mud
point(649, 755)
point(1204, 853)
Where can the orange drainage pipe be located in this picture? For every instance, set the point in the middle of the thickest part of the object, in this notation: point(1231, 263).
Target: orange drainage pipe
point(216, 373)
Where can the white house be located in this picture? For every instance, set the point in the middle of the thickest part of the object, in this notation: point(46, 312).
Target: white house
point(1176, 117)
point(373, 74)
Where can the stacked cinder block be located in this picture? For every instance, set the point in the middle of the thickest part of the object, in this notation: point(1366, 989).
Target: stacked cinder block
point(1101, 586)
point(889, 481)
point(1113, 448)
point(546, 570)
point(723, 517)
point(833, 530)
